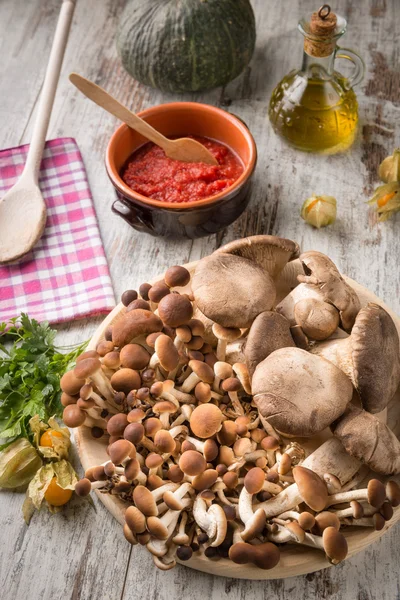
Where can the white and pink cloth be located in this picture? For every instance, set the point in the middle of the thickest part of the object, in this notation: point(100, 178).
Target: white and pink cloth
point(66, 275)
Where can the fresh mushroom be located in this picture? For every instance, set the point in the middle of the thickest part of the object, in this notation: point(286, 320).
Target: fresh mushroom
point(212, 520)
point(231, 290)
point(134, 324)
point(269, 331)
point(370, 357)
point(322, 275)
point(298, 394)
point(369, 440)
point(271, 253)
point(332, 542)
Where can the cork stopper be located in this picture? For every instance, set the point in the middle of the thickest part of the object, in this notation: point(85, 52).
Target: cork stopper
point(322, 28)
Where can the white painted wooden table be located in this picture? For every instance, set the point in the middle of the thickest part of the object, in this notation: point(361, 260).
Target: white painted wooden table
point(82, 553)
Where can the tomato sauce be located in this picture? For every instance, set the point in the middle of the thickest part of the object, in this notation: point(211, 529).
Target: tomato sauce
point(152, 174)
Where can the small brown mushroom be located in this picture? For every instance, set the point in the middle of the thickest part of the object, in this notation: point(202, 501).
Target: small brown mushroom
point(192, 463)
point(134, 324)
point(175, 310)
point(125, 380)
point(177, 276)
point(134, 356)
point(263, 556)
point(205, 420)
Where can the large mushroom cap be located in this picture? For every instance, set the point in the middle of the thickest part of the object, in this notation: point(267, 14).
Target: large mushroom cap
point(231, 290)
point(370, 356)
point(376, 357)
point(133, 324)
point(270, 252)
point(321, 274)
point(299, 395)
point(369, 440)
point(269, 331)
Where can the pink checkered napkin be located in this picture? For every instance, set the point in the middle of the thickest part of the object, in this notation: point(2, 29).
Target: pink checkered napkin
point(66, 275)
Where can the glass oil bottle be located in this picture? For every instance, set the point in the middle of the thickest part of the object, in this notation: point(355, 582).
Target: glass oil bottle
point(315, 108)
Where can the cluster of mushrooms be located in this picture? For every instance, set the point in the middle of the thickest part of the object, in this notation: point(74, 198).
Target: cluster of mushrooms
point(241, 412)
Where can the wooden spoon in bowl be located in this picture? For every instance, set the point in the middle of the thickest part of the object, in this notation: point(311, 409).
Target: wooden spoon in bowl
point(183, 149)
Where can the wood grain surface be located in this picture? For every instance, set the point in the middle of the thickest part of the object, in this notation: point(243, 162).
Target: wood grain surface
point(81, 553)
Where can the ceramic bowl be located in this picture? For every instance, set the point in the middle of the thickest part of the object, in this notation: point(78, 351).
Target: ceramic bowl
point(186, 219)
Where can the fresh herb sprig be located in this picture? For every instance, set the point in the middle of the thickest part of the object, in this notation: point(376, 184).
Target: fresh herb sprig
point(31, 366)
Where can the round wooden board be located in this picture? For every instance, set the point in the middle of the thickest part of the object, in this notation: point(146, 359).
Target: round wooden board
point(295, 560)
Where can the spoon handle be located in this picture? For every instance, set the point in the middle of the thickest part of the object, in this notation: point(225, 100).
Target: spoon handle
point(48, 91)
point(111, 105)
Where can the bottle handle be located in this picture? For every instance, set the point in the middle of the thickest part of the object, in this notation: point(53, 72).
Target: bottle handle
point(357, 61)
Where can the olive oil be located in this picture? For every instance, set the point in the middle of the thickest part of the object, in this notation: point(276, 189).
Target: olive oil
point(315, 115)
point(315, 108)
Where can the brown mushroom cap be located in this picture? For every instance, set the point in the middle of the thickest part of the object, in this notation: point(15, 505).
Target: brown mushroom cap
point(393, 493)
point(134, 356)
point(144, 501)
point(121, 450)
point(271, 253)
point(164, 441)
point(335, 545)
point(375, 354)
point(268, 332)
point(205, 420)
point(158, 291)
point(192, 463)
point(202, 370)
point(322, 275)
point(231, 290)
point(175, 310)
point(116, 424)
point(205, 480)
point(70, 383)
point(298, 394)
point(254, 480)
point(83, 487)
point(326, 519)
point(311, 487)
point(317, 318)
point(73, 416)
point(166, 352)
point(369, 440)
point(125, 380)
point(306, 520)
point(263, 556)
point(157, 528)
point(135, 519)
point(133, 324)
point(177, 276)
point(87, 354)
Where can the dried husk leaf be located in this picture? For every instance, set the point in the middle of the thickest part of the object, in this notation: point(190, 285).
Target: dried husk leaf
point(319, 211)
point(39, 484)
point(387, 200)
point(65, 475)
point(18, 464)
point(389, 169)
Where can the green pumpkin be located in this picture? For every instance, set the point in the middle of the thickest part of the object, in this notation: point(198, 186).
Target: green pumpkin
point(186, 45)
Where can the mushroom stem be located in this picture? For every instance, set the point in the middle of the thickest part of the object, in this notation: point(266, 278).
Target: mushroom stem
point(335, 551)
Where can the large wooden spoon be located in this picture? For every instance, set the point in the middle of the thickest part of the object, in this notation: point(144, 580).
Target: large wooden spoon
point(183, 149)
point(22, 209)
